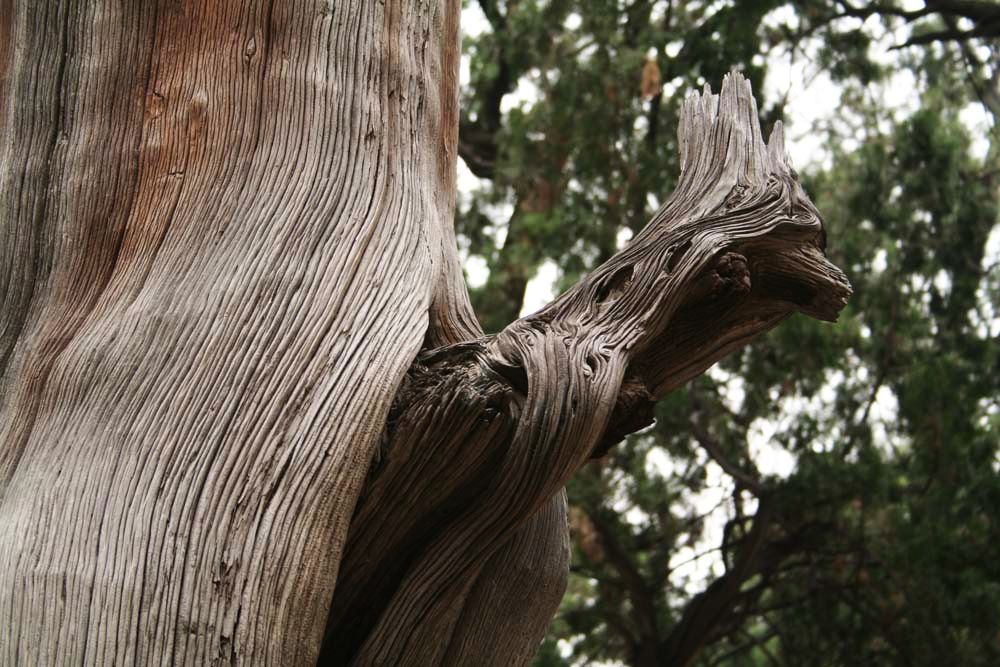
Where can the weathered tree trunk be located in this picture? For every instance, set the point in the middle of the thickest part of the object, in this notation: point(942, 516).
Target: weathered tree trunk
point(246, 413)
point(222, 234)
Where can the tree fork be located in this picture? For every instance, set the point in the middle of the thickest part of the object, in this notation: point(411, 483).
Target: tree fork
point(484, 433)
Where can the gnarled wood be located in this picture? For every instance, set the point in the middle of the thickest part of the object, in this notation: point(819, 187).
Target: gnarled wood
point(485, 431)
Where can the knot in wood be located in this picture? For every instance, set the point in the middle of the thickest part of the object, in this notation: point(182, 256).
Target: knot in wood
point(730, 276)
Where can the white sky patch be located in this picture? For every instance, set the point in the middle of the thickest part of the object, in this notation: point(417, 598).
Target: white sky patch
point(986, 316)
point(565, 648)
point(988, 410)
point(670, 88)
point(919, 285)
point(783, 15)
point(733, 387)
point(474, 21)
point(640, 125)
point(883, 415)
point(942, 281)
point(541, 288)
point(813, 98)
point(620, 500)
point(476, 271)
point(658, 462)
point(769, 457)
point(587, 51)
point(882, 418)
point(500, 235)
point(897, 92)
point(790, 409)
point(991, 253)
point(978, 122)
point(464, 71)
point(881, 261)
point(809, 100)
point(623, 237)
point(467, 181)
point(636, 517)
point(718, 5)
point(693, 565)
point(523, 96)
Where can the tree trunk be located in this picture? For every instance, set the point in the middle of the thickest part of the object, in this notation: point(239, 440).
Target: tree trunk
point(246, 413)
point(223, 229)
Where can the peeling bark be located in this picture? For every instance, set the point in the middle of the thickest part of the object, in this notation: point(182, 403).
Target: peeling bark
point(246, 412)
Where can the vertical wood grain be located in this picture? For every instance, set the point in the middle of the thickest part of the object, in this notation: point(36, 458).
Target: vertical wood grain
point(220, 235)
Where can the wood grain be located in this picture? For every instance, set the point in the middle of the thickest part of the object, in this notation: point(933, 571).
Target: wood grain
point(221, 233)
point(484, 432)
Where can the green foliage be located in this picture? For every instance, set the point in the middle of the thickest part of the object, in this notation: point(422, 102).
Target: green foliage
point(881, 539)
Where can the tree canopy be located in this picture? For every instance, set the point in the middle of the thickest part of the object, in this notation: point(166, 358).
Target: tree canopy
point(827, 495)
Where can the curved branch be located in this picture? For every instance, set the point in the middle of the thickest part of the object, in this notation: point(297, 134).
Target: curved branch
point(484, 432)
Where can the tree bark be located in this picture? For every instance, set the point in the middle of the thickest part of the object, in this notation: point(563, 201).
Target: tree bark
point(247, 413)
point(222, 244)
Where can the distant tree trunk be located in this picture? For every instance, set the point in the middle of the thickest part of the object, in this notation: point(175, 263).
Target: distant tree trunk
point(246, 413)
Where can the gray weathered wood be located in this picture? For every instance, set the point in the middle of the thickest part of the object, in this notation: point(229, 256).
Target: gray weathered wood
point(221, 234)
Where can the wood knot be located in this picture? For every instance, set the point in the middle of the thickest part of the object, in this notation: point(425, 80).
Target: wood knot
point(730, 276)
point(197, 112)
point(249, 50)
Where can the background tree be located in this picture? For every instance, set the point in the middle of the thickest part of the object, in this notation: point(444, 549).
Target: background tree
point(874, 542)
